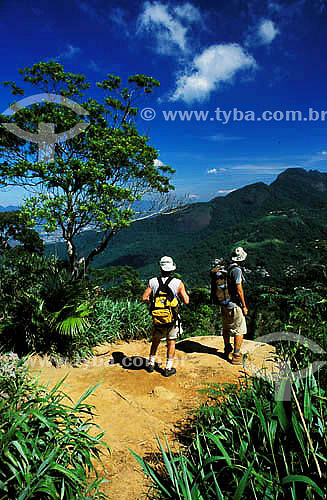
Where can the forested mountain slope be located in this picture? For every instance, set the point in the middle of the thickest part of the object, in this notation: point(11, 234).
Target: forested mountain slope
point(277, 223)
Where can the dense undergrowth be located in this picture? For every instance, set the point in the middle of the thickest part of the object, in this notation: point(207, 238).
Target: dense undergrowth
point(48, 445)
point(247, 444)
point(251, 446)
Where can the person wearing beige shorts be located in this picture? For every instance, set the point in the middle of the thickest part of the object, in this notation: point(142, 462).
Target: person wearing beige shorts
point(170, 333)
point(234, 312)
point(233, 320)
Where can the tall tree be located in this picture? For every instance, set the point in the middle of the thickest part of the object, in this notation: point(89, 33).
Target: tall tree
point(92, 180)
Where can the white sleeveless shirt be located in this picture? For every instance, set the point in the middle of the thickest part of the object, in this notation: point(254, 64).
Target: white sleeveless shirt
point(173, 285)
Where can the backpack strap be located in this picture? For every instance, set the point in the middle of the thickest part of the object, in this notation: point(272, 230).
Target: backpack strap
point(164, 287)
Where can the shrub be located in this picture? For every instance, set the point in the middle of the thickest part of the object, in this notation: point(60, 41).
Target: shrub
point(122, 319)
point(47, 448)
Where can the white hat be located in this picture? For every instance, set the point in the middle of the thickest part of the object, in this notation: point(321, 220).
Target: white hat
point(238, 254)
point(167, 264)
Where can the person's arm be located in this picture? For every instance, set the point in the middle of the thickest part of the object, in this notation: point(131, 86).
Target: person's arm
point(147, 294)
point(240, 292)
point(182, 293)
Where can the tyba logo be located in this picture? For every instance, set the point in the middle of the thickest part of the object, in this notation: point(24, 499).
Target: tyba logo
point(46, 137)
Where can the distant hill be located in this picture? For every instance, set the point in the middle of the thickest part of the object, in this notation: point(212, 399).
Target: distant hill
point(277, 224)
point(10, 208)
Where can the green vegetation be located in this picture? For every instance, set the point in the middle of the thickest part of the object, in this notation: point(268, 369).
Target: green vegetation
point(248, 445)
point(94, 178)
point(47, 448)
point(245, 442)
point(280, 223)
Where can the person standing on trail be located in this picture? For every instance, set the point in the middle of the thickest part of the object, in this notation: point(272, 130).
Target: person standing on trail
point(234, 311)
point(161, 294)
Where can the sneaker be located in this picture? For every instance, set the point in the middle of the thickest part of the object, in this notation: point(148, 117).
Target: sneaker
point(150, 368)
point(237, 359)
point(227, 350)
point(169, 373)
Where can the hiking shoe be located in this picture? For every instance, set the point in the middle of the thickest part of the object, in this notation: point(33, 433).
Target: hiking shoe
point(237, 359)
point(150, 368)
point(227, 350)
point(169, 373)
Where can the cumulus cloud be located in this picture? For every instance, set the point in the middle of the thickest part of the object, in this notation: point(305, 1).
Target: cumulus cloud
point(212, 171)
point(169, 32)
point(188, 12)
point(263, 33)
point(169, 26)
point(216, 64)
point(267, 31)
point(157, 163)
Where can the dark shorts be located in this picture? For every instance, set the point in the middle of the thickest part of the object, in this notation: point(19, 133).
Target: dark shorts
point(165, 332)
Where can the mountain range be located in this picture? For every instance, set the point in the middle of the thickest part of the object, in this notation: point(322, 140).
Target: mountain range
point(279, 225)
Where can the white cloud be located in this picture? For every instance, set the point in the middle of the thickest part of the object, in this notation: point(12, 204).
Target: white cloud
point(193, 196)
point(157, 163)
point(212, 171)
point(323, 152)
point(94, 66)
point(274, 6)
point(188, 11)
point(91, 11)
point(226, 191)
point(69, 52)
point(264, 169)
point(263, 33)
point(169, 32)
point(267, 31)
point(223, 137)
point(216, 64)
point(117, 16)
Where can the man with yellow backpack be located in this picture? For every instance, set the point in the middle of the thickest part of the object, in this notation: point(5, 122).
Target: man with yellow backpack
point(161, 294)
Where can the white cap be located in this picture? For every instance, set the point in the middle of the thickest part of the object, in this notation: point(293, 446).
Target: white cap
point(238, 254)
point(167, 264)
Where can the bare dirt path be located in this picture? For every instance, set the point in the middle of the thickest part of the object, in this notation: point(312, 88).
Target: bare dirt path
point(132, 406)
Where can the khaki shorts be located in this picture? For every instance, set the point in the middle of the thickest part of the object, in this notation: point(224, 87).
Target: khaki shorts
point(233, 320)
point(164, 332)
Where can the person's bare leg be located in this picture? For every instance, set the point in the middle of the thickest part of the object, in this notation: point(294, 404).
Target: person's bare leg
point(238, 340)
point(171, 349)
point(237, 358)
point(154, 346)
point(226, 337)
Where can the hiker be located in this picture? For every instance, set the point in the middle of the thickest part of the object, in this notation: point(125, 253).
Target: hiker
point(161, 295)
point(233, 308)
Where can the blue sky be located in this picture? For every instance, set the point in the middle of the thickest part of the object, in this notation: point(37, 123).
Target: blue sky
point(250, 56)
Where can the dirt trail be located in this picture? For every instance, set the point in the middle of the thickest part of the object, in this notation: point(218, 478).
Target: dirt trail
point(132, 406)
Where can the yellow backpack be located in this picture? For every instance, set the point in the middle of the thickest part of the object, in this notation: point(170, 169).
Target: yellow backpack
point(164, 308)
